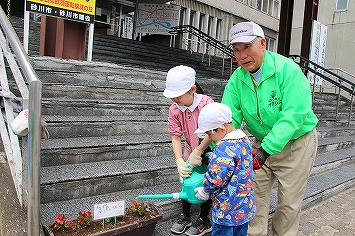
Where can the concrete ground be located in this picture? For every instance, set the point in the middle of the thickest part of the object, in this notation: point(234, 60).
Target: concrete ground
point(334, 216)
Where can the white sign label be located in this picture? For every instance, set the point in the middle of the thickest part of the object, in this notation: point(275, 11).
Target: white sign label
point(111, 209)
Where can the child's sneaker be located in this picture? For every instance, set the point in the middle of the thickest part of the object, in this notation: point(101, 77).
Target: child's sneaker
point(181, 225)
point(200, 227)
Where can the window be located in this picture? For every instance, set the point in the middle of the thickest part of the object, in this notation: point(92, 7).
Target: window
point(265, 6)
point(275, 9)
point(209, 27)
point(202, 22)
point(192, 18)
point(218, 29)
point(342, 5)
point(270, 44)
point(270, 7)
point(182, 16)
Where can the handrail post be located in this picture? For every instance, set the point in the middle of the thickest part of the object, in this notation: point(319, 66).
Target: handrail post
point(351, 107)
point(231, 67)
point(34, 145)
point(338, 100)
point(223, 65)
point(313, 88)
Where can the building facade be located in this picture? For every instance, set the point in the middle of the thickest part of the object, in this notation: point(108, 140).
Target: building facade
point(339, 17)
point(215, 18)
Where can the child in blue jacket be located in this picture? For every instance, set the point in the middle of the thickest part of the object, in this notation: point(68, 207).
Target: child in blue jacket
point(228, 181)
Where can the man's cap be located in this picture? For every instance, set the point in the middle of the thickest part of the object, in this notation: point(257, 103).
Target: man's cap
point(212, 116)
point(179, 80)
point(245, 32)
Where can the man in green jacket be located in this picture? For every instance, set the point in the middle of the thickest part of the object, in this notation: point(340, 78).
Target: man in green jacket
point(272, 96)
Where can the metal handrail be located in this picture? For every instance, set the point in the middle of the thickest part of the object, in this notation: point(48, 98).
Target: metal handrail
point(339, 82)
point(220, 46)
point(34, 125)
point(342, 71)
point(203, 36)
point(317, 70)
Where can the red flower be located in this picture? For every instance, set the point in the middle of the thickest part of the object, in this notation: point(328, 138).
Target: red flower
point(60, 222)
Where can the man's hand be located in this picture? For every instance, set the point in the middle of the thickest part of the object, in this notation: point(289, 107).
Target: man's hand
point(259, 157)
point(183, 171)
point(201, 194)
point(195, 158)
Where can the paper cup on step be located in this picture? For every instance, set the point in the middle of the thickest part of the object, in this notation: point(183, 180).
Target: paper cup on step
point(19, 125)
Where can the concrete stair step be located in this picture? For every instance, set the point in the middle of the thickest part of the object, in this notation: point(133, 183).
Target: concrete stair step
point(109, 141)
point(73, 156)
point(85, 107)
point(84, 92)
point(105, 178)
point(89, 126)
point(335, 143)
point(334, 131)
point(117, 78)
point(83, 171)
point(333, 159)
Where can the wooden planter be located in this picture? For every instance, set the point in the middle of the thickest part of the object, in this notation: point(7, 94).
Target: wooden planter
point(143, 228)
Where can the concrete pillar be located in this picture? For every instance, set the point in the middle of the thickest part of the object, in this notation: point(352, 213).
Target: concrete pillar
point(213, 33)
point(195, 40)
point(186, 22)
point(214, 27)
point(205, 30)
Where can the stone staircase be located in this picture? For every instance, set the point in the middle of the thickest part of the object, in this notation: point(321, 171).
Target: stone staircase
point(109, 138)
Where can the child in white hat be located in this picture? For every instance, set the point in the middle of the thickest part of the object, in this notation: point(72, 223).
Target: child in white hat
point(228, 180)
point(183, 116)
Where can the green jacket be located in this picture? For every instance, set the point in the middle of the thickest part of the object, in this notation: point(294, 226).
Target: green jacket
point(279, 109)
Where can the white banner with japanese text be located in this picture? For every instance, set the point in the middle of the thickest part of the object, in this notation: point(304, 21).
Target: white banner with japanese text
point(157, 18)
point(317, 52)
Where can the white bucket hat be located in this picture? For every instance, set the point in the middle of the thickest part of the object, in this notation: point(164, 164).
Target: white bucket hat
point(245, 32)
point(179, 80)
point(212, 116)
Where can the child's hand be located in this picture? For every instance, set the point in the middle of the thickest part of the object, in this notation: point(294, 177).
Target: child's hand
point(195, 158)
point(201, 194)
point(183, 171)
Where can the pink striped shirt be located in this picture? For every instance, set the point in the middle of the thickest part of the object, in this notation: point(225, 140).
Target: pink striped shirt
point(185, 122)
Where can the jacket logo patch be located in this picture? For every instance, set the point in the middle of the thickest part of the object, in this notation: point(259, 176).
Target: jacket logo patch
point(273, 101)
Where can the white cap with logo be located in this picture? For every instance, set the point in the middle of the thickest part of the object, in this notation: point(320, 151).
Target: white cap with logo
point(212, 116)
point(179, 80)
point(245, 32)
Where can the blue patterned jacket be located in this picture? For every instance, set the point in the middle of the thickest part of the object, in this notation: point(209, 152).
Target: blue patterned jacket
point(229, 180)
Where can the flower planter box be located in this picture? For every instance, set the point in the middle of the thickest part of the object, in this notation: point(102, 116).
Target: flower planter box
point(142, 228)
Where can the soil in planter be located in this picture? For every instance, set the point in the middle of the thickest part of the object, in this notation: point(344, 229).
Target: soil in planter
point(96, 225)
